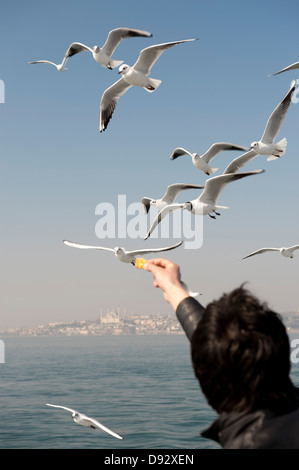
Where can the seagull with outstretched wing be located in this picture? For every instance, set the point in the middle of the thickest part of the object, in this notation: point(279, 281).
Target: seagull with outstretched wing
point(84, 420)
point(286, 252)
point(103, 54)
point(206, 203)
point(133, 76)
point(171, 193)
point(202, 161)
point(121, 253)
point(266, 145)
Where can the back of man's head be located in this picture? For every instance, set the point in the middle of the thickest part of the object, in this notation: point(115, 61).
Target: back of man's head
point(241, 356)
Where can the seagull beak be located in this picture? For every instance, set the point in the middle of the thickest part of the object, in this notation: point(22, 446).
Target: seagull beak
point(118, 72)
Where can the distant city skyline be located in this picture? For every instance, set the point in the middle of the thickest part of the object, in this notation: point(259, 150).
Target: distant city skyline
point(110, 323)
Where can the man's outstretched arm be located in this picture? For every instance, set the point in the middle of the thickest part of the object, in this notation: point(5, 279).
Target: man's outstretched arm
point(167, 277)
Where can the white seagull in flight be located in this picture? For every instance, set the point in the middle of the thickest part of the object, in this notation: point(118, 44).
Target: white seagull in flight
point(206, 203)
point(287, 252)
point(266, 145)
point(121, 253)
point(171, 193)
point(102, 55)
point(133, 76)
point(84, 420)
point(202, 161)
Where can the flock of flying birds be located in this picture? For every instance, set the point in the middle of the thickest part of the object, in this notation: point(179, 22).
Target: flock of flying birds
point(206, 203)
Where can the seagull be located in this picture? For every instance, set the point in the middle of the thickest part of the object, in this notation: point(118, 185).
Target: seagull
point(202, 161)
point(287, 252)
point(286, 69)
point(266, 145)
point(102, 55)
point(60, 67)
point(121, 253)
point(84, 420)
point(133, 76)
point(206, 202)
point(171, 193)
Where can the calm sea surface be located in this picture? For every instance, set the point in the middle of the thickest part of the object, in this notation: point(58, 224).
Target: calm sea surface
point(142, 387)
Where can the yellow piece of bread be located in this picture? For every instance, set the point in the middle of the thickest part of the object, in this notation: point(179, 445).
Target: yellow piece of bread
point(140, 262)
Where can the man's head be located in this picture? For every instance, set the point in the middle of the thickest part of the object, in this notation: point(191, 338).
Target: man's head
point(241, 356)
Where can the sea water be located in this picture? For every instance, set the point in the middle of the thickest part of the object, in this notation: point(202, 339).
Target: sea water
point(142, 387)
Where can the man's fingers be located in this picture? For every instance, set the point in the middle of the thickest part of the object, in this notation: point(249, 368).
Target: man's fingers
point(156, 262)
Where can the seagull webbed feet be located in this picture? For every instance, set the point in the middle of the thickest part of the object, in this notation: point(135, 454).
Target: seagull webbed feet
point(213, 216)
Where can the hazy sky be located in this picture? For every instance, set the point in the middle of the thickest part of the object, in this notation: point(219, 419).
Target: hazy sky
point(56, 168)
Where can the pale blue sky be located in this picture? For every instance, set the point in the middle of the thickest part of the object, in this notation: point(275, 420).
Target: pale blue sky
point(56, 167)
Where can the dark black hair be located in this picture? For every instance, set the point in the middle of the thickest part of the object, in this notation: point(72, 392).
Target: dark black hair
point(241, 356)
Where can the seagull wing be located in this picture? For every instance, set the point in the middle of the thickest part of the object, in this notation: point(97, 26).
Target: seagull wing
point(262, 250)
point(146, 203)
point(178, 152)
point(278, 116)
point(174, 189)
point(63, 408)
point(43, 62)
point(289, 67)
point(115, 36)
point(75, 48)
point(219, 147)
point(293, 248)
point(96, 423)
point(154, 250)
point(240, 161)
point(160, 216)
point(86, 247)
point(215, 185)
point(149, 55)
point(109, 101)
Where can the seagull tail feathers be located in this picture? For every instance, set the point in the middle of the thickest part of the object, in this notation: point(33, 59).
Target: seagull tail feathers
point(154, 83)
point(281, 147)
point(115, 63)
point(212, 170)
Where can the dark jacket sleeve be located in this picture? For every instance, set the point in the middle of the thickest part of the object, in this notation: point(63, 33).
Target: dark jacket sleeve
point(189, 312)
